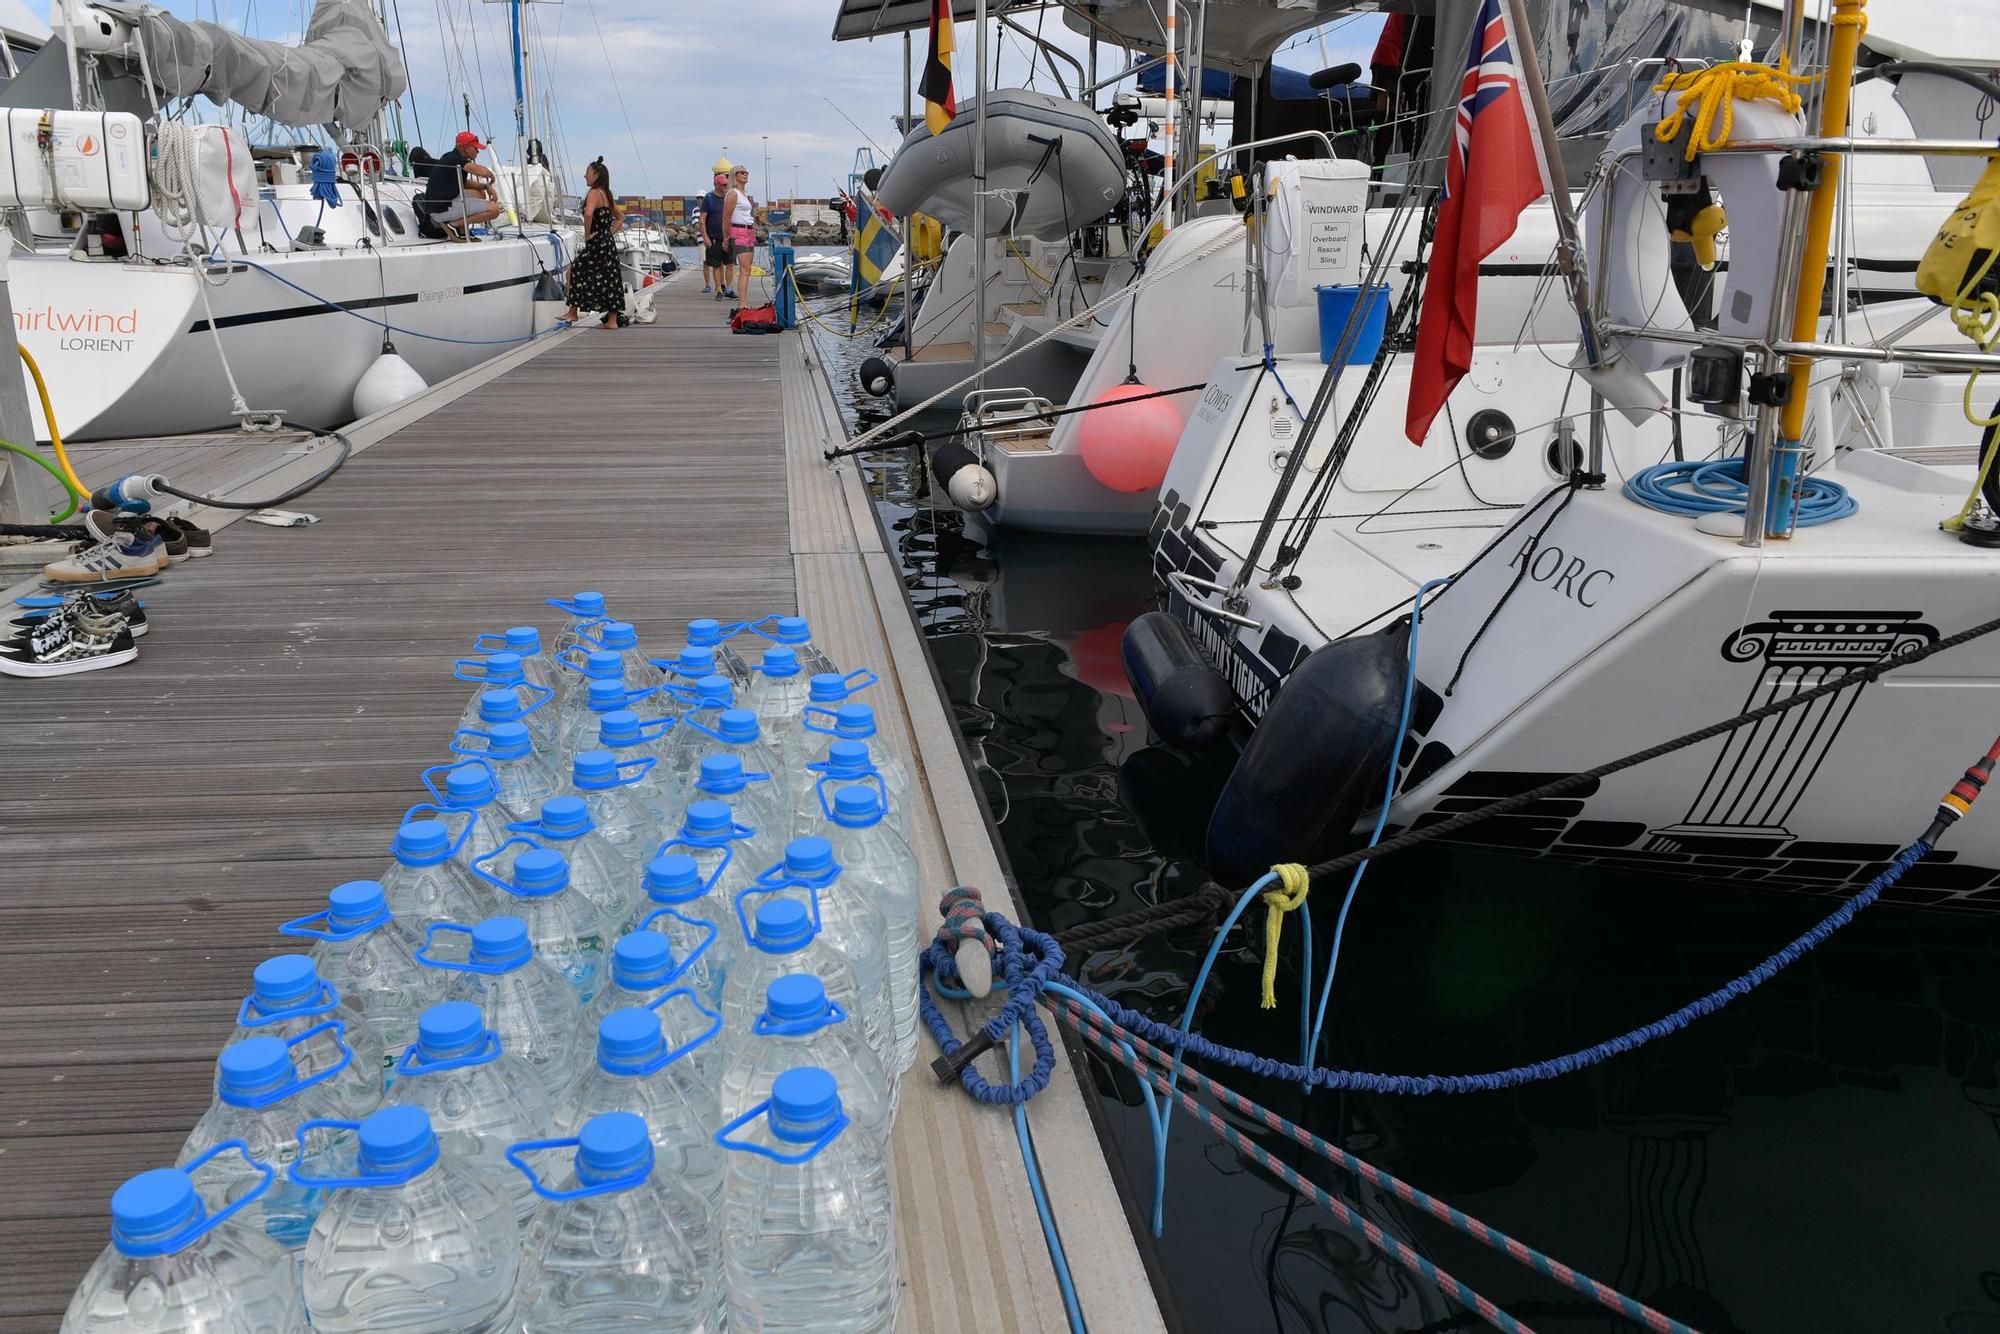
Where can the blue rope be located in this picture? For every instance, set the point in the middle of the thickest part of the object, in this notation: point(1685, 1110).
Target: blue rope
point(383, 323)
point(1271, 365)
point(1691, 487)
point(1071, 1306)
point(1028, 960)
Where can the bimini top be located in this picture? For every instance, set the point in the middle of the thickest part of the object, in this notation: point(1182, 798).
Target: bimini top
point(1064, 164)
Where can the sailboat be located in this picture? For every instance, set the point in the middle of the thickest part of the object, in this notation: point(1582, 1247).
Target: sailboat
point(232, 282)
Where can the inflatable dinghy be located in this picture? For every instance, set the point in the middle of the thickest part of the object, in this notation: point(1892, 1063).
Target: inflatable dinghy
point(1062, 163)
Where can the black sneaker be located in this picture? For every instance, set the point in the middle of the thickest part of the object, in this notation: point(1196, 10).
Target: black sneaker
point(195, 542)
point(37, 611)
point(74, 639)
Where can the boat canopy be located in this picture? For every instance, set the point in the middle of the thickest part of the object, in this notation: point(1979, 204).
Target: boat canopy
point(1287, 85)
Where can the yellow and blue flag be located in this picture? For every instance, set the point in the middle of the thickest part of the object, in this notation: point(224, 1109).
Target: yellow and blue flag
point(875, 245)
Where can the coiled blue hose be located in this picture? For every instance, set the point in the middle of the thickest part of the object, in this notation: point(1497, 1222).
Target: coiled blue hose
point(1717, 487)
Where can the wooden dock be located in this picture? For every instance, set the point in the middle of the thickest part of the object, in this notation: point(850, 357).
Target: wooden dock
point(158, 820)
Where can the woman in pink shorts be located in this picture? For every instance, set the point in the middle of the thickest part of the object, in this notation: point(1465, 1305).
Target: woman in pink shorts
point(740, 211)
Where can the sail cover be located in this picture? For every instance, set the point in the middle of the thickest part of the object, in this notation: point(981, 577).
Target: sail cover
point(345, 71)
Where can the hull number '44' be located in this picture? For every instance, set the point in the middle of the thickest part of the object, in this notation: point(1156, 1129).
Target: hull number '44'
point(1567, 575)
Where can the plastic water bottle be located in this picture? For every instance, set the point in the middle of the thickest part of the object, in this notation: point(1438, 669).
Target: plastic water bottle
point(702, 706)
point(756, 797)
point(809, 1234)
point(636, 1071)
point(778, 690)
point(735, 733)
point(479, 1096)
point(680, 672)
point(820, 715)
point(850, 922)
point(503, 671)
point(707, 632)
point(588, 709)
point(854, 721)
point(426, 882)
point(625, 736)
point(605, 784)
point(470, 790)
point(596, 870)
point(877, 864)
point(525, 643)
point(175, 1268)
point(783, 940)
point(625, 1244)
point(565, 927)
point(622, 638)
point(288, 999)
point(847, 764)
point(680, 906)
point(524, 780)
point(261, 1100)
point(800, 1026)
point(370, 957)
point(415, 1240)
point(644, 971)
point(720, 846)
point(525, 1000)
point(581, 611)
point(794, 633)
point(505, 706)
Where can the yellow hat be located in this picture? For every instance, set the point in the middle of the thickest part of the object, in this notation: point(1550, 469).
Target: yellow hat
point(723, 166)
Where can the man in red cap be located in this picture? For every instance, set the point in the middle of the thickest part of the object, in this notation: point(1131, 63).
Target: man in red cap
point(460, 190)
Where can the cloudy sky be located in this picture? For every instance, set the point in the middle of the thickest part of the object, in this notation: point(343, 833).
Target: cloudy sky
point(661, 88)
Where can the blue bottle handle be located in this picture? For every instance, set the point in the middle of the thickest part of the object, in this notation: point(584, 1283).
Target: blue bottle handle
point(479, 866)
point(477, 666)
point(764, 1026)
point(819, 789)
point(688, 959)
point(808, 1153)
point(500, 645)
point(429, 959)
point(665, 725)
point(539, 830)
point(569, 605)
point(395, 1178)
point(412, 1062)
point(748, 778)
point(853, 682)
point(194, 1231)
point(672, 1054)
point(805, 719)
point(305, 928)
point(481, 733)
point(763, 884)
point(640, 765)
point(323, 1001)
point(517, 1154)
point(545, 693)
point(431, 786)
point(581, 663)
point(338, 1027)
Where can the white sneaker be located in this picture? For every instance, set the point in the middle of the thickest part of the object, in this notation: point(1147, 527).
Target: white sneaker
point(75, 639)
point(126, 556)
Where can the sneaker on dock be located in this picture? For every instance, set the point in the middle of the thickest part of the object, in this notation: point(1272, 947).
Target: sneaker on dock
point(74, 639)
point(126, 556)
point(39, 612)
point(185, 540)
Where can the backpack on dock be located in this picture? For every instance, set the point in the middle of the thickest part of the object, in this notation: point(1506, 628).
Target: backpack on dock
point(756, 320)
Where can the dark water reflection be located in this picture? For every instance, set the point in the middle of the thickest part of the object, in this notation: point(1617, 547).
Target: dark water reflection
point(1824, 1155)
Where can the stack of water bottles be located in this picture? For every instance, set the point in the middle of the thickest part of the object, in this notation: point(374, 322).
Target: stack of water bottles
point(613, 1040)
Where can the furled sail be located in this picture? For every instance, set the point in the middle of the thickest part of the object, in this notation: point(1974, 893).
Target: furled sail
point(344, 72)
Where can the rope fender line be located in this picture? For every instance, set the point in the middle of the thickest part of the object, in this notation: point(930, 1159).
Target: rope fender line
point(1293, 886)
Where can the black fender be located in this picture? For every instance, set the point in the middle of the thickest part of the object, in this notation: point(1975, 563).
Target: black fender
point(1183, 696)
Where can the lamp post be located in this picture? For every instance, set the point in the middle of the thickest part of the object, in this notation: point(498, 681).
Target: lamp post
point(767, 161)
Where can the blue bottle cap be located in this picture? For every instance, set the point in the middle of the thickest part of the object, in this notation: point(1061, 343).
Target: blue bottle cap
point(590, 602)
point(626, 1038)
point(355, 902)
point(795, 996)
point(151, 1207)
point(395, 1138)
point(673, 878)
point(783, 925)
point(856, 808)
point(450, 1029)
point(500, 941)
point(508, 741)
point(829, 688)
point(713, 692)
point(792, 630)
point(468, 785)
point(603, 664)
point(502, 669)
point(855, 721)
point(524, 640)
point(620, 727)
point(695, 660)
point(847, 759)
point(252, 1066)
point(803, 1101)
point(565, 817)
point(594, 769)
point(421, 843)
point(607, 694)
point(540, 871)
point(618, 635)
point(499, 706)
point(780, 662)
point(642, 960)
point(705, 631)
point(737, 726)
point(612, 1145)
point(808, 857)
point(283, 980)
point(721, 773)
point(707, 819)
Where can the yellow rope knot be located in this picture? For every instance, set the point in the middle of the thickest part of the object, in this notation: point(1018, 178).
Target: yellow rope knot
point(1710, 96)
point(1295, 883)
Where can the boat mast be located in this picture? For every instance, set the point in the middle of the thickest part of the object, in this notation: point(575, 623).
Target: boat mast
point(979, 198)
point(520, 86)
point(1172, 127)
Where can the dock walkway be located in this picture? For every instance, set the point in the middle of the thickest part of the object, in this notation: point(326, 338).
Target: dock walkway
point(158, 820)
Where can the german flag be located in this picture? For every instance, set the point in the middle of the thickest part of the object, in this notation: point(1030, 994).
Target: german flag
point(939, 105)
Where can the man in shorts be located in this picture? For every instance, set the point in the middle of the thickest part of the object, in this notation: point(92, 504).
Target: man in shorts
point(460, 191)
point(715, 237)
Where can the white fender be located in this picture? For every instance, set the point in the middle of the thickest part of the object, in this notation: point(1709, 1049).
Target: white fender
point(387, 382)
point(1634, 267)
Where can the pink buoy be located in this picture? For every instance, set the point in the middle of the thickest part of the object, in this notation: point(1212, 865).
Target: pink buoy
point(1128, 447)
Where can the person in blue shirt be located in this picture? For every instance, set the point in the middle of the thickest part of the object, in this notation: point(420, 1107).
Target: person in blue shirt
point(714, 239)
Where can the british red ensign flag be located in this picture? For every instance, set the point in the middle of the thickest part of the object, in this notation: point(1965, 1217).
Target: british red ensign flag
point(1496, 169)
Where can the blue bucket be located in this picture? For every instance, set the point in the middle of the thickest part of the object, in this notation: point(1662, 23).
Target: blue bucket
point(1336, 307)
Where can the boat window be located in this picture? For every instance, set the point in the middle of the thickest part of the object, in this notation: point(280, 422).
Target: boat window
point(368, 212)
point(395, 221)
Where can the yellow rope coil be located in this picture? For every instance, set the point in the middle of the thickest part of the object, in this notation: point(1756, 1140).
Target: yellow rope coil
point(1294, 884)
point(1710, 96)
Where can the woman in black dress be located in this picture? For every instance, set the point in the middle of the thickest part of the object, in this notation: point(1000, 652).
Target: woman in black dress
point(594, 280)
